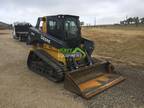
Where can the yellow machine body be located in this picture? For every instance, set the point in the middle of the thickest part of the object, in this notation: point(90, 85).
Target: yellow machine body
point(54, 52)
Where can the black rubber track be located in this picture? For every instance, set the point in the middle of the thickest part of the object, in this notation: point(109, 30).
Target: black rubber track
point(44, 65)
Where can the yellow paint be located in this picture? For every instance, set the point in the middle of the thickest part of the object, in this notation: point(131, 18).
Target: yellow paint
point(89, 84)
point(93, 83)
point(102, 78)
point(44, 25)
point(54, 52)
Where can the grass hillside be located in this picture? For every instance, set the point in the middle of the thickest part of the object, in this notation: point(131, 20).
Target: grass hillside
point(123, 44)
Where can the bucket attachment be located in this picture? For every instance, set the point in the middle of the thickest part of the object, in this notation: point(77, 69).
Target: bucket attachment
point(91, 80)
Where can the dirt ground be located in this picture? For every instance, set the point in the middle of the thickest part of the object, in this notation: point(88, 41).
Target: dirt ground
point(21, 88)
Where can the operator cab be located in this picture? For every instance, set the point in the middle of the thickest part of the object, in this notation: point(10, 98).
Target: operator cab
point(63, 27)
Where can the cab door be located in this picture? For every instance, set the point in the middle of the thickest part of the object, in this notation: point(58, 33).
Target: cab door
point(55, 28)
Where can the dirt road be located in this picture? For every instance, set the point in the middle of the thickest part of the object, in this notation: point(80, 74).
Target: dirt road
point(21, 88)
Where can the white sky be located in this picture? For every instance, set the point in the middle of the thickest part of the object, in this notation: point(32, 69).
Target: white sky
point(104, 11)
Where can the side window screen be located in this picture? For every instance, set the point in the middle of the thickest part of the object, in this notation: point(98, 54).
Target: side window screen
point(52, 25)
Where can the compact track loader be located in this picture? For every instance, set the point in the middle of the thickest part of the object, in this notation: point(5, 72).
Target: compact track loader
point(60, 53)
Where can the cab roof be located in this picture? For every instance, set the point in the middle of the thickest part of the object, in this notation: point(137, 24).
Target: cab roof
point(63, 16)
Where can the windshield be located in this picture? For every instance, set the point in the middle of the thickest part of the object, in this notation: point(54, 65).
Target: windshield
point(71, 28)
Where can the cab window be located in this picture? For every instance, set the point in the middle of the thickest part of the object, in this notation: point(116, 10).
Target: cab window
point(52, 25)
point(71, 28)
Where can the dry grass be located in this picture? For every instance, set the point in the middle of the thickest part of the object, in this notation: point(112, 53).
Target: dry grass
point(123, 45)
